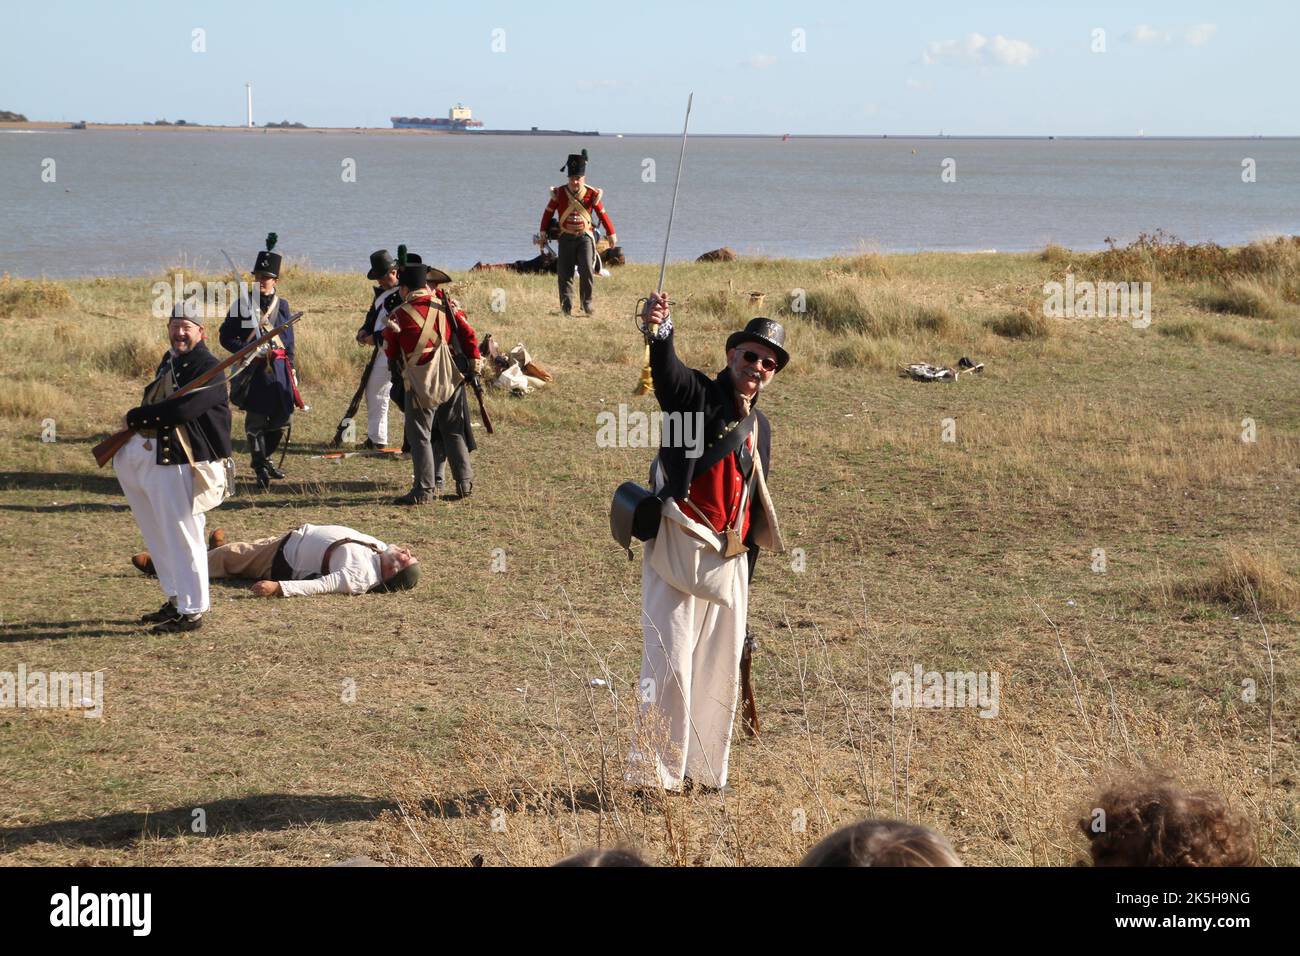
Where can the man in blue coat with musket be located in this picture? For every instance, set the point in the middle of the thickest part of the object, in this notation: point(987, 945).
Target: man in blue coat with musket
point(267, 390)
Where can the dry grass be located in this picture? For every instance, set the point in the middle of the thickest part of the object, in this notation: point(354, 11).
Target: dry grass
point(474, 693)
point(1245, 297)
point(1022, 324)
point(1245, 581)
point(27, 298)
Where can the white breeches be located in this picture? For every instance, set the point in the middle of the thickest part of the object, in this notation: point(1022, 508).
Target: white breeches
point(377, 399)
point(690, 682)
point(161, 499)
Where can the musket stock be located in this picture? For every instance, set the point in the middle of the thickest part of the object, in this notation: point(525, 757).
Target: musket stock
point(110, 446)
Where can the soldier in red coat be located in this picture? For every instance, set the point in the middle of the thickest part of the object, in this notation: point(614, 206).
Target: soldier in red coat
point(576, 206)
point(432, 339)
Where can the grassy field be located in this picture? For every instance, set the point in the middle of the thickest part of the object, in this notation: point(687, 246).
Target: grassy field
point(476, 732)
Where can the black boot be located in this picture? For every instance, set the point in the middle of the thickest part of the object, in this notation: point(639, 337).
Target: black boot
point(272, 443)
point(257, 447)
point(179, 624)
point(165, 613)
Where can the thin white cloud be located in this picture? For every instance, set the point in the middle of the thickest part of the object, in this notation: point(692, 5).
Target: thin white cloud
point(1147, 35)
point(975, 49)
point(915, 84)
point(759, 61)
point(1012, 52)
point(1198, 34)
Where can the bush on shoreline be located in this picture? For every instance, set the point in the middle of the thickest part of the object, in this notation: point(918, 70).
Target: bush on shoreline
point(1160, 255)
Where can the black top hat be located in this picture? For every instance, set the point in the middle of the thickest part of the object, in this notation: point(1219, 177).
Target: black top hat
point(268, 262)
point(403, 580)
point(765, 332)
point(381, 263)
point(576, 164)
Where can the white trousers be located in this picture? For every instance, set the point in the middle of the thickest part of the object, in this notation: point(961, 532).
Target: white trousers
point(377, 399)
point(161, 499)
point(690, 683)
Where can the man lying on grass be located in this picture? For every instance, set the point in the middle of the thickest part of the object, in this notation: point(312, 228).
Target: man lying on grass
point(312, 559)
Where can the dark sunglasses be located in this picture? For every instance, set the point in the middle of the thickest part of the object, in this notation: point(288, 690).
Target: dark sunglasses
point(753, 358)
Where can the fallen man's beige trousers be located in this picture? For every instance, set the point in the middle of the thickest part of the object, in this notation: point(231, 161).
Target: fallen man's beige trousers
point(244, 559)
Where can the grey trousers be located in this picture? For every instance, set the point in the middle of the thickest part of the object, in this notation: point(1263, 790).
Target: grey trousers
point(437, 436)
point(579, 251)
point(255, 423)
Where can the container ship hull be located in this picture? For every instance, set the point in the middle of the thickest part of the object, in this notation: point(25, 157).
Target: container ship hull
point(440, 125)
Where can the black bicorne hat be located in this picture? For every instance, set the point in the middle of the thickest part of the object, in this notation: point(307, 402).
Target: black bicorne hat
point(576, 164)
point(765, 332)
point(381, 263)
point(268, 262)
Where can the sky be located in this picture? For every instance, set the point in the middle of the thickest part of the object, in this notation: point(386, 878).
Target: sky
point(626, 66)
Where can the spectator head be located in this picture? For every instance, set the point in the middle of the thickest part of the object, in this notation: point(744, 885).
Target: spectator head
point(603, 857)
point(1155, 822)
point(882, 843)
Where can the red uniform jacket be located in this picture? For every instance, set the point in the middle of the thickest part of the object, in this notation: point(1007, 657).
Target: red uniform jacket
point(408, 339)
point(718, 494)
point(591, 200)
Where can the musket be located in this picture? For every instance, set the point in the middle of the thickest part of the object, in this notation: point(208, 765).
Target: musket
point(476, 384)
point(748, 707)
point(646, 384)
point(355, 404)
point(111, 445)
point(473, 379)
point(245, 305)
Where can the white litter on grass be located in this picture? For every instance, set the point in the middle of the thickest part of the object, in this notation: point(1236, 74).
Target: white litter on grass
point(595, 682)
point(1070, 603)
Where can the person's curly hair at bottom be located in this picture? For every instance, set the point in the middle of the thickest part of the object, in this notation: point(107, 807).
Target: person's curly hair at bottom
point(882, 843)
point(1155, 822)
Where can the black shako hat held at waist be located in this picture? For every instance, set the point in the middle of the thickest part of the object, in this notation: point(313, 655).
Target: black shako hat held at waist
point(268, 262)
point(381, 263)
point(765, 332)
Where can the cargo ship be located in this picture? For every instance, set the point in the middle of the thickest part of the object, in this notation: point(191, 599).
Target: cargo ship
point(459, 119)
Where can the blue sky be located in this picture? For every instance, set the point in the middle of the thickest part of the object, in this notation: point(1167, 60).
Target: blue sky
point(1185, 68)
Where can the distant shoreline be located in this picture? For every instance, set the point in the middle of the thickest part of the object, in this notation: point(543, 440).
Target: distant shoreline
point(198, 128)
point(387, 131)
